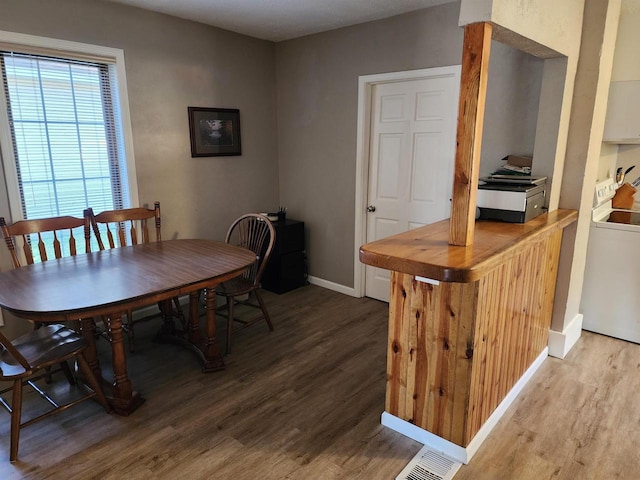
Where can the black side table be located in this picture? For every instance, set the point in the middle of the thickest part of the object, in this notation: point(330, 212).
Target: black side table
point(286, 268)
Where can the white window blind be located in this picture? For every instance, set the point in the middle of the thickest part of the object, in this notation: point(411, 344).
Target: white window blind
point(67, 135)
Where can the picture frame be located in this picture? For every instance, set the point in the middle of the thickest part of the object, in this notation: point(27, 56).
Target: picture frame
point(214, 131)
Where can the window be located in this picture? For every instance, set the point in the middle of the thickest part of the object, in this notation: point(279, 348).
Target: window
point(66, 134)
point(97, 79)
point(65, 131)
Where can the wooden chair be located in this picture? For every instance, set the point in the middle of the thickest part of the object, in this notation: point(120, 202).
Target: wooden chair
point(21, 362)
point(50, 234)
point(256, 233)
point(122, 227)
point(129, 226)
point(38, 240)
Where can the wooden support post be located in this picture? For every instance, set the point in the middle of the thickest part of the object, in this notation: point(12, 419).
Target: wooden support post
point(473, 91)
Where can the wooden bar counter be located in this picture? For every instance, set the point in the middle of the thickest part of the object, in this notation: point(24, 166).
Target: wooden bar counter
point(466, 323)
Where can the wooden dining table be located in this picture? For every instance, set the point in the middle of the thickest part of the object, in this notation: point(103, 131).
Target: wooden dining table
point(109, 283)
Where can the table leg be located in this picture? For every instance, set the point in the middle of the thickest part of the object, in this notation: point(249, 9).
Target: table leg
point(213, 359)
point(205, 348)
point(124, 399)
point(168, 324)
point(194, 332)
point(88, 330)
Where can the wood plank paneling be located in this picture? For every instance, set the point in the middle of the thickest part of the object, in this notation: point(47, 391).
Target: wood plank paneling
point(428, 381)
point(397, 346)
point(457, 349)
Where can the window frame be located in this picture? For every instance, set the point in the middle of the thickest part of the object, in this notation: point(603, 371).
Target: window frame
point(74, 50)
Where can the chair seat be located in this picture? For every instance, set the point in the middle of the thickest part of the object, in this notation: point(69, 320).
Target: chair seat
point(235, 286)
point(41, 348)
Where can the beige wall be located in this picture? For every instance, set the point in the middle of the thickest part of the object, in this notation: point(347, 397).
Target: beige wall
point(171, 64)
point(552, 24)
point(584, 149)
point(511, 112)
point(317, 117)
point(625, 61)
point(626, 66)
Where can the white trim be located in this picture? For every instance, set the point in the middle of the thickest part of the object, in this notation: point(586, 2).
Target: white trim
point(561, 342)
point(365, 87)
point(127, 131)
point(427, 280)
point(8, 162)
point(55, 46)
point(74, 49)
point(336, 287)
point(449, 449)
point(439, 444)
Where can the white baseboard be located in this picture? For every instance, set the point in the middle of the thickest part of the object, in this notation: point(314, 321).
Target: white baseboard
point(561, 342)
point(439, 444)
point(449, 449)
point(336, 287)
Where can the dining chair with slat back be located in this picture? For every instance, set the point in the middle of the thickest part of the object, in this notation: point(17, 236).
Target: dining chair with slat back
point(31, 356)
point(37, 240)
point(256, 233)
point(124, 227)
point(23, 359)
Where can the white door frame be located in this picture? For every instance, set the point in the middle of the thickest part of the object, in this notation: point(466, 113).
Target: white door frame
point(365, 89)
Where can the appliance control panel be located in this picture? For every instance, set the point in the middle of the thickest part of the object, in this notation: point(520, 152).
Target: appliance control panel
point(605, 190)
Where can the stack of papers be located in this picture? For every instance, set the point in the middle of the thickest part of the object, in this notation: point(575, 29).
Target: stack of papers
point(515, 165)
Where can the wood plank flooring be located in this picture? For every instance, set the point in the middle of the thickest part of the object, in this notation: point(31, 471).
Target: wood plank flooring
point(578, 418)
point(304, 402)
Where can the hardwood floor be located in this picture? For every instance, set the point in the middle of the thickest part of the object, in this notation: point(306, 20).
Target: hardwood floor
point(304, 402)
point(578, 418)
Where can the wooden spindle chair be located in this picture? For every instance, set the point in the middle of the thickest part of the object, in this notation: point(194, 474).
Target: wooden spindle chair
point(31, 356)
point(129, 226)
point(256, 233)
point(22, 361)
point(38, 240)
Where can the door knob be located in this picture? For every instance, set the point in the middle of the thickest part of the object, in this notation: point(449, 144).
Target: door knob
point(371, 208)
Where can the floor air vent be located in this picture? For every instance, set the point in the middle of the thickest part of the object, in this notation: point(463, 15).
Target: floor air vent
point(429, 465)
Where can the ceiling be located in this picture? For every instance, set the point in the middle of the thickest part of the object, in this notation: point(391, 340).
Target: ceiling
point(278, 20)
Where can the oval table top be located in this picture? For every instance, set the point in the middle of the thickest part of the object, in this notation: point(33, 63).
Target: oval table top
point(99, 282)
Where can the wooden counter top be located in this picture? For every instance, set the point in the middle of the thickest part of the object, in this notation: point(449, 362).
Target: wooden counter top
point(426, 251)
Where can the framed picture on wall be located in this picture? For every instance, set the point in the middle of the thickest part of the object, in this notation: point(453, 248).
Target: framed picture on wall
point(214, 131)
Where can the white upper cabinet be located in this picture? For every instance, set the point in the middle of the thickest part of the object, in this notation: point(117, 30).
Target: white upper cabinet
point(623, 113)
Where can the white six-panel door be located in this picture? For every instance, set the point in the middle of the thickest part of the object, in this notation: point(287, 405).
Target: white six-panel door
point(412, 150)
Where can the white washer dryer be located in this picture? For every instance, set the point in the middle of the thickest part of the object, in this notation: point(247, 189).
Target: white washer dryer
point(610, 301)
